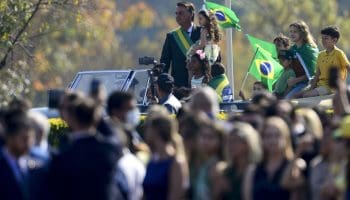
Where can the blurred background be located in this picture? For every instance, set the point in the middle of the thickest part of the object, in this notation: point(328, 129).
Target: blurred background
point(44, 43)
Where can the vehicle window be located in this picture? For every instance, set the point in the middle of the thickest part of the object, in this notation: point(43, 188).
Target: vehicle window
point(138, 85)
point(111, 80)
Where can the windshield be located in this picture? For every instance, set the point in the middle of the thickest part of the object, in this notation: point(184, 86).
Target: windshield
point(111, 80)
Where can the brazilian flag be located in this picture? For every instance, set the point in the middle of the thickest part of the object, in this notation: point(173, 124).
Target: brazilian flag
point(265, 68)
point(225, 16)
point(258, 43)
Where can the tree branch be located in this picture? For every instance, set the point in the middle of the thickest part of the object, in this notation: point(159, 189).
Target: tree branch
point(19, 34)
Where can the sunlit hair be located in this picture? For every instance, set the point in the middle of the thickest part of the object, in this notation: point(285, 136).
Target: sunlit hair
point(211, 26)
point(283, 129)
point(282, 39)
point(205, 99)
point(312, 122)
point(167, 128)
point(305, 32)
point(251, 137)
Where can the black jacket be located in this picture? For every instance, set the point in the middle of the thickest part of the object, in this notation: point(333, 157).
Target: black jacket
point(173, 56)
point(85, 170)
point(10, 188)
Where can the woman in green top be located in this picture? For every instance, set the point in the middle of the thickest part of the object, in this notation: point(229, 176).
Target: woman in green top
point(306, 47)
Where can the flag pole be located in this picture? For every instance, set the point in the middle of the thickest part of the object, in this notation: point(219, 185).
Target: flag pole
point(250, 64)
point(229, 51)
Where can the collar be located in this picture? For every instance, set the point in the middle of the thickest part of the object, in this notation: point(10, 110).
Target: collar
point(189, 30)
point(164, 99)
point(219, 76)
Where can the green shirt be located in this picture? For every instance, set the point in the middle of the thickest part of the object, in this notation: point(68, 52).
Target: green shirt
point(281, 84)
point(309, 54)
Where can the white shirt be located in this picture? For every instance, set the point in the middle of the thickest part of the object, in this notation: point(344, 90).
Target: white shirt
point(135, 172)
point(197, 83)
point(189, 30)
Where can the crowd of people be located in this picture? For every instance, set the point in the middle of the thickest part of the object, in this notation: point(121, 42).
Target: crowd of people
point(271, 150)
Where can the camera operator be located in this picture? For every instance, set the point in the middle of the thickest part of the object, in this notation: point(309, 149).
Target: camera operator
point(165, 85)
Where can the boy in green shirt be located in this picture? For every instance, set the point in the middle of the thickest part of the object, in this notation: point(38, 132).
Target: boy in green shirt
point(281, 87)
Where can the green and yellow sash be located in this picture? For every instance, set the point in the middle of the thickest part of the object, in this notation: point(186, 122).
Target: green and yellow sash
point(183, 40)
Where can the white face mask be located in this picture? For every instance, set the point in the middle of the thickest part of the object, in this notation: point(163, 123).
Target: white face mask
point(133, 117)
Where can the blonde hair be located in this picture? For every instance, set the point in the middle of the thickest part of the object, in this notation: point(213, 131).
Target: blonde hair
point(305, 32)
point(246, 132)
point(283, 129)
point(167, 129)
point(312, 122)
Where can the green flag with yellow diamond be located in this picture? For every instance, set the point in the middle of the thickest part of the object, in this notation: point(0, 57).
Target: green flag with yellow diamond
point(265, 68)
point(225, 16)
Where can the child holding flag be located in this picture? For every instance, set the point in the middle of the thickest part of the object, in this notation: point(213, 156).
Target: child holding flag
point(281, 87)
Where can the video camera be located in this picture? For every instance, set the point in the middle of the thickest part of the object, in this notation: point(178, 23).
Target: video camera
point(153, 73)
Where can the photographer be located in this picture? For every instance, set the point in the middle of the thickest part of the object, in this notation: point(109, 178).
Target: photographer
point(165, 87)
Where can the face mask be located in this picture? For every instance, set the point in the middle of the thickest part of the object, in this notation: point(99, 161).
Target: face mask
point(133, 117)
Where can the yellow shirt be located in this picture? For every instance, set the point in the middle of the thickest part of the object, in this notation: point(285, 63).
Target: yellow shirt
point(325, 61)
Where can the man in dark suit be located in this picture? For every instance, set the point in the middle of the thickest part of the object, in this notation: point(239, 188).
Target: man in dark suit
point(177, 43)
point(13, 167)
point(86, 168)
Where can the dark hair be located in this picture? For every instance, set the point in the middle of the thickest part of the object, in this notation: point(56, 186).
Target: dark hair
point(205, 67)
point(217, 69)
point(15, 121)
point(281, 38)
point(117, 99)
point(212, 25)
point(82, 108)
point(332, 31)
point(189, 6)
point(260, 83)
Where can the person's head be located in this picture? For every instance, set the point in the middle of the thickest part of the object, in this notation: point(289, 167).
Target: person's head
point(276, 138)
point(199, 65)
point(210, 140)
point(205, 100)
point(203, 18)
point(299, 33)
point(184, 13)
point(161, 131)
point(165, 84)
point(20, 104)
point(207, 20)
point(217, 69)
point(41, 126)
point(285, 57)
point(258, 86)
point(330, 36)
point(120, 105)
point(244, 141)
point(282, 42)
point(19, 134)
point(253, 115)
point(79, 111)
